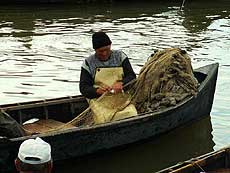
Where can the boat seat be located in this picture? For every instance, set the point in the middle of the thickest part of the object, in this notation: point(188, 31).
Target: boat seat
point(43, 126)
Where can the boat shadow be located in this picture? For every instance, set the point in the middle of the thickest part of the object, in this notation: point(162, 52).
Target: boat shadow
point(148, 155)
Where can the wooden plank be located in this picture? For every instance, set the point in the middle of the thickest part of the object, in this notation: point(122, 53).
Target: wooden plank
point(205, 163)
point(43, 126)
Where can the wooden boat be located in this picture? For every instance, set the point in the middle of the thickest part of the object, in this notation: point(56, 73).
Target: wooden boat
point(213, 162)
point(79, 141)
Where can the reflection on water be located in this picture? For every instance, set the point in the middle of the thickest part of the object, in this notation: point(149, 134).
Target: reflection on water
point(44, 46)
point(42, 49)
point(148, 156)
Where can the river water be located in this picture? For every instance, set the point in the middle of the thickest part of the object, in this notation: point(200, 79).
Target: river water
point(42, 48)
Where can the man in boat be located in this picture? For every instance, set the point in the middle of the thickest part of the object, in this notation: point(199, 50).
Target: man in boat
point(34, 155)
point(104, 58)
point(105, 71)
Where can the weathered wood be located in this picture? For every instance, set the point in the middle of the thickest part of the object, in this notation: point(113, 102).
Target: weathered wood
point(44, 103)
point(43, 126)
point(214, 162)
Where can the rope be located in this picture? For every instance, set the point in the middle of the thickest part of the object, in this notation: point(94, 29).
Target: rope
point(182, 5)
point(195, 163)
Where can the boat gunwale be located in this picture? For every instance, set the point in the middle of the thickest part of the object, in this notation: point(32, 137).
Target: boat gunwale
point(40, 103)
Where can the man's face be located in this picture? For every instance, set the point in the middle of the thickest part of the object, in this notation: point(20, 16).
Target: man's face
point(103, 53)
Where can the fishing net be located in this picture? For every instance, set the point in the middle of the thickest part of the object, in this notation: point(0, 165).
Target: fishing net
point(165, 79)
point(107, 108)
point(112, 107)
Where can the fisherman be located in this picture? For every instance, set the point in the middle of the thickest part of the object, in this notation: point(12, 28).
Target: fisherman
point(34, 156)
point(106, 71)
point(112, 64)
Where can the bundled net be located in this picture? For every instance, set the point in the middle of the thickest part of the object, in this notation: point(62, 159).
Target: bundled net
point(165, 79)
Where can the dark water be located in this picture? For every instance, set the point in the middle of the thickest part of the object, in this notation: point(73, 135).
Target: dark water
point(148, 156)
point(42, 48)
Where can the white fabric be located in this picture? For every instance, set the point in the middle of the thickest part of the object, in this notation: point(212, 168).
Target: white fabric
point(30, 121)
point(34, 148)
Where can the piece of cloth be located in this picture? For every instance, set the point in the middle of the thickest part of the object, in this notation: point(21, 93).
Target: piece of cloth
point(107, 76)
point(89, 66)
point(100, 39)
point(34, 151)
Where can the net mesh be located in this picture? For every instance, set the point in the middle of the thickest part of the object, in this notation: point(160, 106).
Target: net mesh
point(164, 80)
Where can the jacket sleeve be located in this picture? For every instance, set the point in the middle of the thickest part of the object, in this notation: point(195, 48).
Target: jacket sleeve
point(86, 84)
point(129, 74)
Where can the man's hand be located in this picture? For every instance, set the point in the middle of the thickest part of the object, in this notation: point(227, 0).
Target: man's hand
point(117, 87)
point(103, 89)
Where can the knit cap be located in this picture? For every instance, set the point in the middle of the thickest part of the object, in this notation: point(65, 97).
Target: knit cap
point(100, 39)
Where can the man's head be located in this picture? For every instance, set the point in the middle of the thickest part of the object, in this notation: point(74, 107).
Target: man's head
point(34, 155)
point(101, 45)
